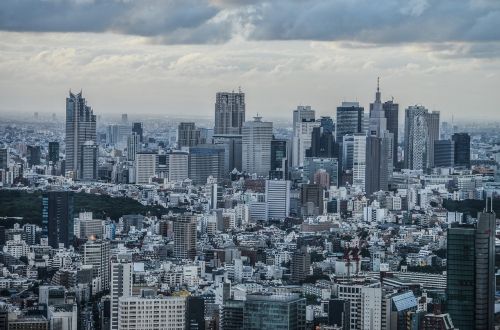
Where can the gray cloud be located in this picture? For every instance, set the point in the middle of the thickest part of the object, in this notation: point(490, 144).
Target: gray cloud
point(215, 21)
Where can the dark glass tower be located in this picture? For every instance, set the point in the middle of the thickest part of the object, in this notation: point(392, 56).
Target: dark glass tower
point(391, 110)
point(350, 117)
point(137, 129)
point(274, 312)
point(444, 153)
point(57, 217)
point(279, 159)
point(33, 156)
point(53, 152)
point(462, 149)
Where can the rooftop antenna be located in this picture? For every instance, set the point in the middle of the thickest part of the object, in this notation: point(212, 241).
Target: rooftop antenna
point(378, 84)
point(239, 89)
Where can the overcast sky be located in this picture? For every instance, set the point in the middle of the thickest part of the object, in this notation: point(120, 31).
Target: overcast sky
point(171, 57)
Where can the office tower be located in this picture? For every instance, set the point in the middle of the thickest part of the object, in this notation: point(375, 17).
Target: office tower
point(313, 164)
point(339, 314)
point(33, 155)
point(303, 113)
point(300, 265)
point(350, 119)
point(301, 140)
point(374, 180)
point(57, 217)
point(232, 315)
point(359, 161)
point(138, 129)
point(204, 161)
point(322, 144)
point(53, 152)
point(96, 254)
point(145, 166)
point(326, 122)
point(88, 161)
point(278, 199)
point(195, 313)
point(185, 236)
point(232, 150)
point(279, 160)
point(80, 127)
point(187, 135)
point(63, 316)
point(229, 112)
point(256, 147)
point(461, 143)
point(133, 146)
point(311, 200)
point(285, 312)
point(4, 158)
point(347, 152)
point(152, 312)
point(485, 268)
point(371, 308)
point(124, 119)
point(116, 135)
point(178, 166)
point(121, 286)
point(416, 137)
point(444, 153)
point(432, 135)
point(391, 111)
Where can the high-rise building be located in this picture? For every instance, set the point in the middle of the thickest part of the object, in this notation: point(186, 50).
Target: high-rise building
point(124, 119)
point(232, 315)
point(350, 119)
point(432, 135)
point(461, 143)
point(96, 254)
point(185, 236)
point(232, 150)
point(311, 200)
point(4, 158)
point(470, 288)
point(330, 165)
point(57, 218)
point(359, 161)
point(133, 146)
point(53, 152)
point(322, 143)
point(416, 137)
point(204, 161)
point(339, 314)
point(256, 147)
point(391, 111)
point(303, 113)
point(229, 112)
point(444, 153)
point(279, 159)
point(33, 155)
point(117, 135)
point(178, 166)
point(301, 140)
point(278, 199)
point(138, 129)
point(88, 161)
point(188, 135)
point(80, 127)
point(285, 312)
point(195, 313)
point(300, 265)
point(120, 286)
point(145, 167)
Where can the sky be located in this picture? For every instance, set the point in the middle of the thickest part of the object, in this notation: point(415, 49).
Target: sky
point(171, 57)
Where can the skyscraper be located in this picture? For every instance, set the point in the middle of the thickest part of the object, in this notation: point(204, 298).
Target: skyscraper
point(80, 127)
point(359, 161)
point(300, 265)
point(285, 312)
point(88, 161)
point(33, 155)
point(461, 143)
point(138, 129)
point(279, 159)
point(187, 135)
point(256, 147)
point(53, 152)
point(57, 217)
point(185, 236)
point(133, 146)
point(391, 110)
point(304, 120)
point(278, 199)
point(232, 145)
point(145, 167)
point(229, 112)
point(350, 119)
point(322, 143)
point(178, 166)
point(444, 153)
point(4, 158)
point(470, 288)
point(432, 135)
point(204, 161)
point(416, 137)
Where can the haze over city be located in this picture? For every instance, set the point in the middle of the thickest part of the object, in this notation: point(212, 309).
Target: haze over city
point(167, 57)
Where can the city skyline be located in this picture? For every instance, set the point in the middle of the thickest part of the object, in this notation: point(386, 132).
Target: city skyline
point(141, 62)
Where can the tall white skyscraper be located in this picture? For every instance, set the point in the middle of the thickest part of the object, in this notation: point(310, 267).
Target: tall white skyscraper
point(80, 127)
point(178, 166)
point(256, 146)
point(359, 161)
point(301, 141)
point(278, 199)
point(416, 137)
point(121, 286)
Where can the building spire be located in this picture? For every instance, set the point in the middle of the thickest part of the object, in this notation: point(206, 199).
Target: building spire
point(377, 94)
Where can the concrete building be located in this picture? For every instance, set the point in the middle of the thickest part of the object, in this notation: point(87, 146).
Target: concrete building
point(256, 147)
point(229, 112)
point(145, 167)
point(278, 199)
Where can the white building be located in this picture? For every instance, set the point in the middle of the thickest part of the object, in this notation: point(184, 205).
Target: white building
point(178, 169)
point(359, 161)
point(121, 286)
point(96, 254)
point(145, 167)
point(256, 147)
point(278, 199)
point(301, 141)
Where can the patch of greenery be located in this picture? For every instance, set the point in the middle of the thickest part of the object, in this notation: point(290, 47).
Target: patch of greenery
point(28, 206)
